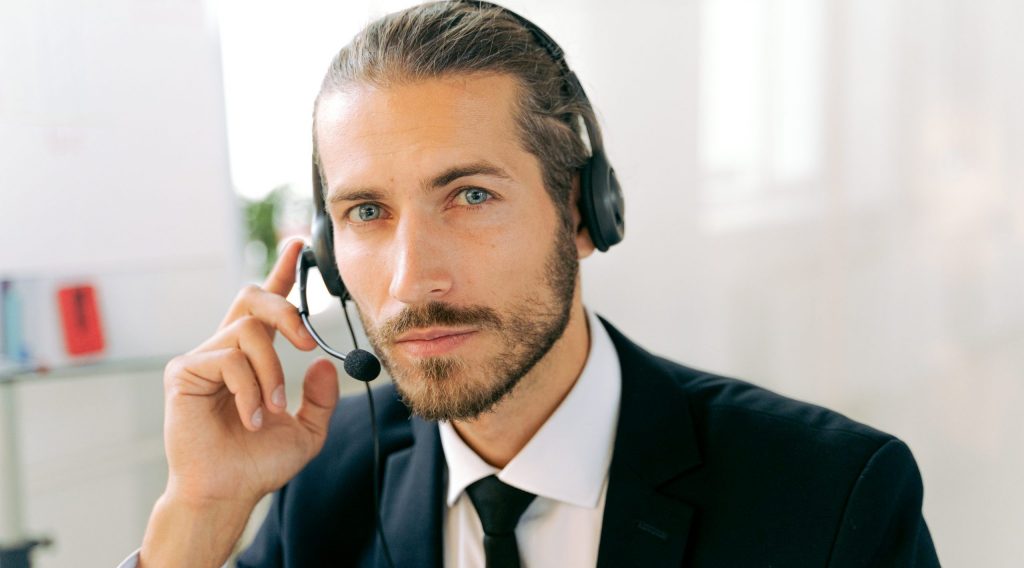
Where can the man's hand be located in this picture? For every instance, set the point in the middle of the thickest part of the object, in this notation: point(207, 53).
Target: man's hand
point(229, 438)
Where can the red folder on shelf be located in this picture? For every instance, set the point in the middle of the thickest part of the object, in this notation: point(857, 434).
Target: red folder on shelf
point(80, 315)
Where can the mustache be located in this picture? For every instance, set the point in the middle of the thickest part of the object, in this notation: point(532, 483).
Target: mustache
point(439, 314)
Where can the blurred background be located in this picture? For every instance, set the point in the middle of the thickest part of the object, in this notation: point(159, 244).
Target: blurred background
point(824, 198)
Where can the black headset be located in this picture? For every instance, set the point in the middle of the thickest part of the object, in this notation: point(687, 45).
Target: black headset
point(601, 203)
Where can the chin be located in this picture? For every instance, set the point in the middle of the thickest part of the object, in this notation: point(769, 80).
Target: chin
point(442, 389)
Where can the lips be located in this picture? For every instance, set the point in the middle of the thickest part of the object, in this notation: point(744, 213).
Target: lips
point(433, 342)
point(430, 334)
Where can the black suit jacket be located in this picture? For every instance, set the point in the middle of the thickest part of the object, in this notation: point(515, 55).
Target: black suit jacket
point(706, 471)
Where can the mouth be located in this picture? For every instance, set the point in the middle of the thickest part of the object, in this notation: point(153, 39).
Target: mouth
point(435, 341)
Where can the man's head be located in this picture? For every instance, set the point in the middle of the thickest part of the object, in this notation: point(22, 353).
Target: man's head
point(441, 39)
point(449, 145)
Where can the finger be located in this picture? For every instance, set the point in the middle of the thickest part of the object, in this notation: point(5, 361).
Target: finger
point(249, 335)
point(276, 313)
point(207, 372)
point(241, 381)
point(282, 276)
point(319, 397)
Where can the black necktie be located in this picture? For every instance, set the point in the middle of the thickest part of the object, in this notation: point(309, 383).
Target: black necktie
point(499, 507)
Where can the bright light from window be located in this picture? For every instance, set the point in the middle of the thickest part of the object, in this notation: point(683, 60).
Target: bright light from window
point(274, 56)
point(761, 90)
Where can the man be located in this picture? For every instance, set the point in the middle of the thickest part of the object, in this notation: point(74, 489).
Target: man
point(449, 148)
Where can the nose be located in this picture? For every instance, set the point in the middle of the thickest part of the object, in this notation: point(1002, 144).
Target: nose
point(421, 270)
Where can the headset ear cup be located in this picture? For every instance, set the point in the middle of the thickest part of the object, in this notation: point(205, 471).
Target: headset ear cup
point(601, 202)
point(323, 250)
point(615, 205)
point(586, 204)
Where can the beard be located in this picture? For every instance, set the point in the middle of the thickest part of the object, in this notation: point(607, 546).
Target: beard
point(447, 387)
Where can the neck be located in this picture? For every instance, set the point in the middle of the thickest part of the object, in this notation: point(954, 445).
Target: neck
point(497, 436)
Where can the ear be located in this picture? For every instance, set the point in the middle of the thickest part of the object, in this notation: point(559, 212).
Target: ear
point(584, 245)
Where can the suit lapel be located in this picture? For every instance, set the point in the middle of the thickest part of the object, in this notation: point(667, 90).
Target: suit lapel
point(655, 442)
point(411, 500)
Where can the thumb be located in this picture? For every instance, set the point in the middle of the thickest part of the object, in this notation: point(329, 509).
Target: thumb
point(319, 397)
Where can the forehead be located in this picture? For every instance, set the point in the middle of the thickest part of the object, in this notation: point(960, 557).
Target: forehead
point(418, 127)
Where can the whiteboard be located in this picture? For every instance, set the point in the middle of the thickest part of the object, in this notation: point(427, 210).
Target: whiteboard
point(113, 165)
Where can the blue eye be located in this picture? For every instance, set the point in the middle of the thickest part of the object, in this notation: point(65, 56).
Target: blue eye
point(365, 212)
point(475, 195)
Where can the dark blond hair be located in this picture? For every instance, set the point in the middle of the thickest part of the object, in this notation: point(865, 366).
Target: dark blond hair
point(443, 38)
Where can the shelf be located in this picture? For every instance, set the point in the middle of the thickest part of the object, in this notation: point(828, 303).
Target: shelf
point(19, 373)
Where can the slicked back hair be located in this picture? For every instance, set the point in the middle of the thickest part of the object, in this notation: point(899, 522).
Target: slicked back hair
point(439, 39)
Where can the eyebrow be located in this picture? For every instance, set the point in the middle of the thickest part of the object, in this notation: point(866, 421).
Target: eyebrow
point(481, 168)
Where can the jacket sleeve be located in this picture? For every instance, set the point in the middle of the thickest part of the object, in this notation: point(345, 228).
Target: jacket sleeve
point(266, 548)
point(883, 524)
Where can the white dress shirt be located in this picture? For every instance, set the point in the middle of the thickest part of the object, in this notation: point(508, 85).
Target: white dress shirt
point(565, 464)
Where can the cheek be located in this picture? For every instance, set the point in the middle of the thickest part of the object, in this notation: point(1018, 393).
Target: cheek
point(364, 274)
point(506, 258)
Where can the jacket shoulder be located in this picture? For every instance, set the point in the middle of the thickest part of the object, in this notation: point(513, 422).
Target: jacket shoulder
point(849, 493)
point(777, 478)
point(722, 406)
point(734, 403)
point(741, 424)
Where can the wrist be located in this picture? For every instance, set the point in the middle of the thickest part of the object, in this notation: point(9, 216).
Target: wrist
point(182, 497)
point(187, 531)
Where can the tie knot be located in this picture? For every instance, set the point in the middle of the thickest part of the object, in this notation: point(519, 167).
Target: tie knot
point(498, 504)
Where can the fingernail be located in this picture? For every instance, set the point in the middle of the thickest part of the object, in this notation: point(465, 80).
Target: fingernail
point(281, 245)
point(303, 333)
point(277, 397)
point(257, 418)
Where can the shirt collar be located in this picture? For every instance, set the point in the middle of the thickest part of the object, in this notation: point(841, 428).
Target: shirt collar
point(567, 459)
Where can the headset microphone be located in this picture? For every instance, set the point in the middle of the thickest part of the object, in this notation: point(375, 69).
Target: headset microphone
point(359, 364)
point(362, 365)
